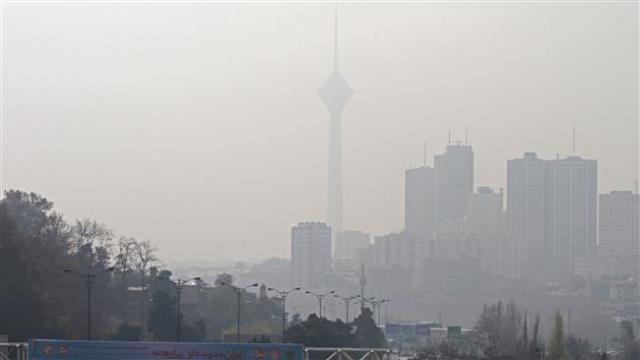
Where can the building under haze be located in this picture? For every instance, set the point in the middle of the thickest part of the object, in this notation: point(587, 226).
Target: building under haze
point(486, 214)
point(619, 224)
point(454, 181)
point(552, 209)
point(571, 210)
point(350, 243)
point(310, 255)
point(400, 251)
point(526, 205)
point(419, 201)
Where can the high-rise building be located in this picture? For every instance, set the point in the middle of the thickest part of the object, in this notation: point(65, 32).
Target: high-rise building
point(454, 181)
point(400, 251)
point(526, 205)
point(419, 201)
point(619, 224)
point(311, 255)
point(336, 94)
point(571, 189)
point(552, 209)
point(486, 214)
point(349, 243)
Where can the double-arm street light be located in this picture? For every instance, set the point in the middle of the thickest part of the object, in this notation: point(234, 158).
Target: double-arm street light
point(320, 297)
point(283, 296)
point(88, 278)
point(178, 285)
point(376, 304)
point(238, 291)
point(347, 302)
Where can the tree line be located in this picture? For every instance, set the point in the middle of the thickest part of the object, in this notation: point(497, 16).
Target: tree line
point(506, 332)
point(133, 301)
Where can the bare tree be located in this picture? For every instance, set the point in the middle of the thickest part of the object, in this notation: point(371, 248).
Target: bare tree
point(125, 257)
point(145, 255)
point(88, 232)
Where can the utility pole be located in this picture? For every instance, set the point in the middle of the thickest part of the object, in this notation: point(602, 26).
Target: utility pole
point(347, 302)
point(178, 285)
point(89, 279)
point(320, 297)
point(283, 296)
point(238, 291)
point(363, 283)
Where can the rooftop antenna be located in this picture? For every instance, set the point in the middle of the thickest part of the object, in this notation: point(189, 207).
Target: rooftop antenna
point(573, 147)
point(635, 187)
point(466, 135)
point(424, 154)
point(449, 140)
point(335, 39)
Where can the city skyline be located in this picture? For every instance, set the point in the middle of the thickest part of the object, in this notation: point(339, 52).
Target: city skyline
point(183, 153)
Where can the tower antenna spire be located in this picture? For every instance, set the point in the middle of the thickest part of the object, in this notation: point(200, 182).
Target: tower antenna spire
point(449, 139)
point(424, 154)
point(335, 38)
point(573, 145)
point(335, 94)
point(466, 134)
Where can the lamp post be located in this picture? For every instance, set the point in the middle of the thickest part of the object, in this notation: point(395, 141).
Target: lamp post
point(320, 297)
point(347, 302)
point(283, 296)
point(178, 285)
point(379, 303)
point(89, 278)
point(238, 291)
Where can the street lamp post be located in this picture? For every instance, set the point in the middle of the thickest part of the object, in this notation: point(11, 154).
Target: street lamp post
point(380, 303)
point(178, 285)
point(347, 302)
point(283, 296)
point(238, 291)
point(88, 278)
point(320, 297)
point(376, 304)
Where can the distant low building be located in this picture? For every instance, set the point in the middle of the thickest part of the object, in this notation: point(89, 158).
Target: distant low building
point(400, 251)
point(350, 242)
point(619, 224)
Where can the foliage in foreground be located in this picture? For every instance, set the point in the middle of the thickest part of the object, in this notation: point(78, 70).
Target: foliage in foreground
point(321, 332)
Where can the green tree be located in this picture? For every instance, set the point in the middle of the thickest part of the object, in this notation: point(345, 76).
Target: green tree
point(490, 323)
point(36, 244)
point(556, 341)
point(34, 249)
point(321, 332)
point(578, 348)
point(366, 332)
point(524, 343)
point(536, 346)
point(628, 341)
point(162, 317)
point(17, 291)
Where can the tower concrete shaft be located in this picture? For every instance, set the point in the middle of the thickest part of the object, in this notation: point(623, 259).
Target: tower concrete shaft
point(336, 94)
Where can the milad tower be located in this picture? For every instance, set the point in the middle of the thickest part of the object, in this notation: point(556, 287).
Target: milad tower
point(336, 94)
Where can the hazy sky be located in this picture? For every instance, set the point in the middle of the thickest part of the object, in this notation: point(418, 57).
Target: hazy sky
point(196, 125)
